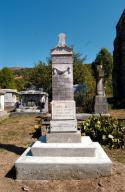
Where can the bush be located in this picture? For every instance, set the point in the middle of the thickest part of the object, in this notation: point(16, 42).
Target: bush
point(105, 130)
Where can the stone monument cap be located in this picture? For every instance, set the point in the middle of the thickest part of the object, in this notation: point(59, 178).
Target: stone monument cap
point(61, 42)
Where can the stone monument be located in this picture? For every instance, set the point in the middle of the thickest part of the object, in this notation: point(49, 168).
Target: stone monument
point(1, 100)
point(10, 97)
point(101, 105)
point(63, 153)
point(63, 124)
point(33, 101)
point(3, 113)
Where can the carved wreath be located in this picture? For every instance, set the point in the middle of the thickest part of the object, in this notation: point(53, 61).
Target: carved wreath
point(59, 72)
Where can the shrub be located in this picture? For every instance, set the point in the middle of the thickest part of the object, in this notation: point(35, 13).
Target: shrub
point(105, 130)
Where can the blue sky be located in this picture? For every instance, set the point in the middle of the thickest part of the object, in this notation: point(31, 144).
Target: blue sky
point(29, 28)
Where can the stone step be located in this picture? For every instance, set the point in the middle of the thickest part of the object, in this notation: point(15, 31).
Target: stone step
point(30, 167)
point(63, 149)
point(68, 137)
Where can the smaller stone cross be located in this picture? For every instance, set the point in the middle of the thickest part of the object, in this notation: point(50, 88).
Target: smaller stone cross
point(62, 42)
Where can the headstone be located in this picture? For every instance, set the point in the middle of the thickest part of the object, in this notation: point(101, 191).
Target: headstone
point(101, 105)
point(63, 153)
point(10, 97)
point(63, 104)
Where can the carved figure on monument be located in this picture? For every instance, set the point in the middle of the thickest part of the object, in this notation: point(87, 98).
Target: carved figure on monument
point(59, 72)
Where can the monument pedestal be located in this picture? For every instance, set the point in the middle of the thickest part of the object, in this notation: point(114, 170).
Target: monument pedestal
point(101, 105)
point(63, 161)
point(68, 137)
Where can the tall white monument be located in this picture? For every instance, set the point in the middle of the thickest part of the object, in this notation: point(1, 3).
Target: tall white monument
point(63, 126)
point(63, 153)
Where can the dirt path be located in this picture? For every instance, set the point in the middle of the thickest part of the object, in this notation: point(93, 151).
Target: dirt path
point(17, 133)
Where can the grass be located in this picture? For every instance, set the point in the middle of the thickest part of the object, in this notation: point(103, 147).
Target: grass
point(18, 130)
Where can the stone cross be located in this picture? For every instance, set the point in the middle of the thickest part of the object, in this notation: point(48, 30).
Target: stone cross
point(100, 76)
point(62, 37)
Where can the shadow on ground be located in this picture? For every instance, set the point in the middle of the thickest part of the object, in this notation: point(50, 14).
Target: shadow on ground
point(13, 148)
point(11, 173)
point(36, 133)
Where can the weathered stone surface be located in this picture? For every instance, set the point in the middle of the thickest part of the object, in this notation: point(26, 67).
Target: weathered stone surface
point(63, 126)
point(63, 155)
point(10, 97)
point(33, 100)
point(64, 137)
point(63, 110)
point(101, 105)
point(62, 82)
point(1, 101)
point(62, 60)
point(30, 167)
point(62, 149)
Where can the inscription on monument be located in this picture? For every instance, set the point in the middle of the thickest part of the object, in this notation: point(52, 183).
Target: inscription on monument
point(62, 60)
point(63, 110)
point(63, 126)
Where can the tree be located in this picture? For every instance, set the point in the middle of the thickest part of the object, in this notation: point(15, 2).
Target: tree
point(22, 79)
point(105, 59)
point(7, 79)
point(41, 76)
point(83, 74)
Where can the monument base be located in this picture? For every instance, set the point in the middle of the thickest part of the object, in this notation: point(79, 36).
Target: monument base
point(67, 137)
point(74, 161)
point(63, 125)
point(101, 105)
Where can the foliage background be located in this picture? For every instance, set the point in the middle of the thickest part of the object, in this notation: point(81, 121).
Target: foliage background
point(84, 74)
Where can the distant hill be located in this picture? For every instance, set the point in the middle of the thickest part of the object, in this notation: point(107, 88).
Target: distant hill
point(19, 68)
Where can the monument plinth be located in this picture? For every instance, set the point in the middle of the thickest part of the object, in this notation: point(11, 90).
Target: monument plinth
point(101, 105)
point(63, 153)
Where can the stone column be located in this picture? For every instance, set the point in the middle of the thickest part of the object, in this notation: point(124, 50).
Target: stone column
point(63, 123)
point(101, 105)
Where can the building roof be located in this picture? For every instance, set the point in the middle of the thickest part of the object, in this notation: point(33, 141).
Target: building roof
point(33, 92)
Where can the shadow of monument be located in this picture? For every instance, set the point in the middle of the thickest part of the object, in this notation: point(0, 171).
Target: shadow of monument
point(13, 148)
point(11, 173)
point(36, 134)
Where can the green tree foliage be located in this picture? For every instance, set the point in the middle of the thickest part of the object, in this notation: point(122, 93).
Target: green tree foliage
point(22, 78)
point(7, 79)
point(83, 74)
point(41, 76)
point(20, 84)
point(105, 59)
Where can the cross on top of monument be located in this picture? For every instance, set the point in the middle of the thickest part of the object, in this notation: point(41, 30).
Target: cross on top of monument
point(61, 42)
